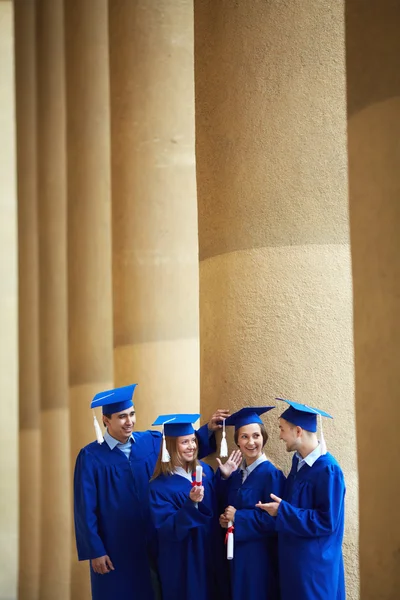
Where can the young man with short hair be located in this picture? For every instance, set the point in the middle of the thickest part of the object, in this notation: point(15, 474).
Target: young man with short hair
point(309, 518)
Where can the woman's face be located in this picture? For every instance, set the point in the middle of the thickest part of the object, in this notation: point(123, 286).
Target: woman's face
point(250, 442)
point(186, 447)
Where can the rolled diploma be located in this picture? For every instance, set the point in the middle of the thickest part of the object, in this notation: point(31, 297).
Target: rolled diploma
point(199, 474)
point(199, 479)
point(229, 545)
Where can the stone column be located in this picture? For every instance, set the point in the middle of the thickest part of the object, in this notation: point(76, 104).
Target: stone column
point(155, 260)
point(89, 225)
point(52, 207)
point(373, 84)
point(28, 309)
point(275, 276)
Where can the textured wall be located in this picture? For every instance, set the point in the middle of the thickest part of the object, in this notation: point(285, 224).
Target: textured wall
point(28, 309)
point(155, 252)
point(373, 73)
point(52, 214)
point(275, 279)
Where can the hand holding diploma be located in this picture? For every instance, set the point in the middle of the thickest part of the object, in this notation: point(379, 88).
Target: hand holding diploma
point(226, 520)
point(197, 491)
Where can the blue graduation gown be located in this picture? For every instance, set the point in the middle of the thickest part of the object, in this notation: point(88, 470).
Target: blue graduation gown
point(186, 536)
point(112, 517)
point(254, 568)
point(310, 525)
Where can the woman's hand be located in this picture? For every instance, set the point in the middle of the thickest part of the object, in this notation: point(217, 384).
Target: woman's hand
point(197, 493)
point(223, 521)
point(230, 513)
point(233, 463)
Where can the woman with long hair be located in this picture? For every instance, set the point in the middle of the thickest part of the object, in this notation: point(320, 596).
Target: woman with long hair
point(254, 568)
point(183, 506)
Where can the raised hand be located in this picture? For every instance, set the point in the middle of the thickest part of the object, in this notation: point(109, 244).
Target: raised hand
point(233, 463)
point(215, 422)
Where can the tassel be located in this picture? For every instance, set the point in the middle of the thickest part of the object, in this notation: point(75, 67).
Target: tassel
point(99, 435)
point(165, 457)
point(224, 445)
point(322, 442)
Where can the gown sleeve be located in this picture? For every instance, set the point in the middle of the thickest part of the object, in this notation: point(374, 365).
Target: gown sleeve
point(176, 522)
point(88, 541)
point(324, 518)
point(206, 441)
point(254, 523)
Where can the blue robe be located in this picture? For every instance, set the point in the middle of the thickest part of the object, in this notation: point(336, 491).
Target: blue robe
point(310, 525)
point(254, 568)
point(186, 536)
point(112, 517)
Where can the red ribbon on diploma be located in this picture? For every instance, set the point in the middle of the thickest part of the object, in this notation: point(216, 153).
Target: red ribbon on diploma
point(194, 483)
point(230, 529)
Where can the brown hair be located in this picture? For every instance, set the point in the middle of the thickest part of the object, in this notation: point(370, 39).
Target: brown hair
point(168, 468)
point(263, 433)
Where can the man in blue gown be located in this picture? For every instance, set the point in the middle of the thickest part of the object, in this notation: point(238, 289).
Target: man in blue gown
point(113, 527)
point(309, 518)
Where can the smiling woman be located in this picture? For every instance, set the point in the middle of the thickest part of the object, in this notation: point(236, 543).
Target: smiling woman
point(254, 565)
point(251, 440)
point(183, 453)
point(185, 515)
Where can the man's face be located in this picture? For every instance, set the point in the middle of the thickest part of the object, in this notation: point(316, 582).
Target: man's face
point(289, 434)
point(120, 425)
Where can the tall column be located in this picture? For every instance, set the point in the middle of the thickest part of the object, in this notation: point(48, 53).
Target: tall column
point(155, 259)
point(275, 277)
point(373, 84)
point(89, 225)
point(52, 208)
point(28, 307)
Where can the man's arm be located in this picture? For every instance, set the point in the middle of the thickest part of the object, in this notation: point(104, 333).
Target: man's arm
point(324, 517)
point(88, 542)
point(206, 434)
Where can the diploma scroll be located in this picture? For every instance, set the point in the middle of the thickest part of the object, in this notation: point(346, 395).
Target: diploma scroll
point(199, 480)
point(199, 475)
point(229, 541)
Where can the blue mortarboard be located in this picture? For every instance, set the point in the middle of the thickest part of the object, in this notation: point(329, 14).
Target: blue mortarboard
point(302, 415)
point(114, 401)
point(176, 425)
point(246, 416)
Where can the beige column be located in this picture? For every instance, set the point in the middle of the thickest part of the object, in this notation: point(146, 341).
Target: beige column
point(155, 261)
point(89, 225)
point(51, 157)
point(28, 309)
point(275, 277)
point(373, 83)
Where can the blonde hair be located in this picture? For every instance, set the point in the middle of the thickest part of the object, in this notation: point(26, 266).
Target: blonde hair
point(168, 468)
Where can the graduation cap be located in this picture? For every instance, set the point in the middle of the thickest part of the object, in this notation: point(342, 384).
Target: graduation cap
point(175, 425)
point(112, 401)
point(244, 416)
point(306, 417)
